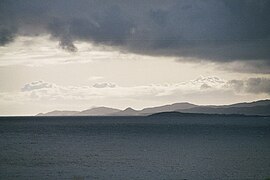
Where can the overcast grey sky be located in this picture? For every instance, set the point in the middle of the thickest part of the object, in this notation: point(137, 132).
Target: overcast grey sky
point(75, 54)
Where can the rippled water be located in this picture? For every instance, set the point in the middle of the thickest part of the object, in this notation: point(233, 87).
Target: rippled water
point(134, 148)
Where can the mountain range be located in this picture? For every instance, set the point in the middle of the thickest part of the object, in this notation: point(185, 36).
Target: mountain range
point(261, 108)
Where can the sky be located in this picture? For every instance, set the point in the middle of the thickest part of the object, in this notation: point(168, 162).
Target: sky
point(78, 54)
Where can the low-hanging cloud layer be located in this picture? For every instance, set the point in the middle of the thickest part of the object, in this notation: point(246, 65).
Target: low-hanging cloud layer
point(39, 96)
point(41, 90)
point(214, 30)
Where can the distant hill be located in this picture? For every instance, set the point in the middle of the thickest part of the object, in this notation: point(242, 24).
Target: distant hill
point(171, 107)
point(261, 107)
point(98, 111)
point(127, 112)
point(250, 104)
point(58, 113)
point(253, 108)
point(152, 110)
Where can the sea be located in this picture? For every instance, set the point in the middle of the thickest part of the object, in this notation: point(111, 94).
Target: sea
point(116, 148)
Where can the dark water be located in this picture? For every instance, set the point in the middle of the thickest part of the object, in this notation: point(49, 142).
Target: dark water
point(134, 148)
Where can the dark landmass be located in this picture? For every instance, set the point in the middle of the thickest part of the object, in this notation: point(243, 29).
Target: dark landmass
point(180, 114)
point(251, 110)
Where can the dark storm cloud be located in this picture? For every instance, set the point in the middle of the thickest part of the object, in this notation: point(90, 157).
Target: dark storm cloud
point(251, 85)
point(252, 66)
point(217, 30)
point(6, 35)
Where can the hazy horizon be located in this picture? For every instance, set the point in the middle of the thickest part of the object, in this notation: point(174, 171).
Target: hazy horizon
point(73, 55)
point(122, 109)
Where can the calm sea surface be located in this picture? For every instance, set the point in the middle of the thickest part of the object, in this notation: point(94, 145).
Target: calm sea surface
point(79, 148)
